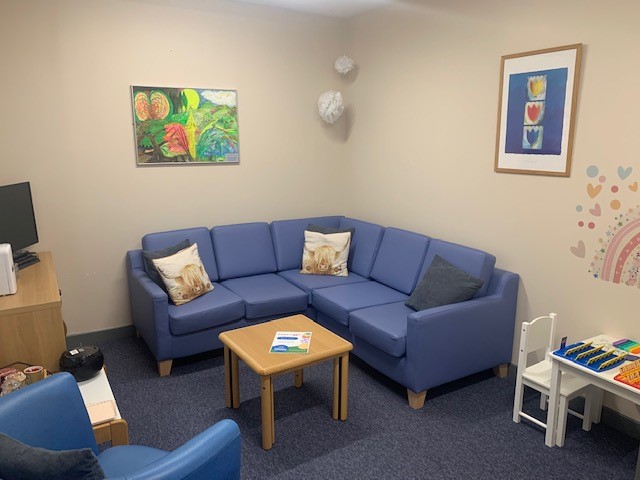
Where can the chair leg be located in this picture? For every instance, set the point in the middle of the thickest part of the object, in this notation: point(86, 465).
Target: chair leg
point(517, 401)
point(164, 367)
point(416, 400)
point(543, 401)
point(562, 421)
point(596, 412)
point(588, 409)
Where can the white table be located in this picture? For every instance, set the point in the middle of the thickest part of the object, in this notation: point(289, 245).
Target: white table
point(603, 380)
point(97, 390)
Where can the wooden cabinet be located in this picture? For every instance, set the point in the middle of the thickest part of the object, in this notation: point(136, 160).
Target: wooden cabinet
point(31, 325)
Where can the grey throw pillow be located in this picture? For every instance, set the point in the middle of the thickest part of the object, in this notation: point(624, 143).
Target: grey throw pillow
point(149, 256)
point(328, 230)
point(443, 284)
point(22, 462)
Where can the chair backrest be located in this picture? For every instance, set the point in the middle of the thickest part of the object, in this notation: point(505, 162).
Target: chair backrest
point(48, 414)
point(536, 336)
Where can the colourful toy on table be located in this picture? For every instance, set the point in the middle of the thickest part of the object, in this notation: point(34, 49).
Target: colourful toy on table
point(630, 374)
point(593, 357)
point(627, 345)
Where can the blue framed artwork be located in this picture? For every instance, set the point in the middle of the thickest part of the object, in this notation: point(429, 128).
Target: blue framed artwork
point(537, 101)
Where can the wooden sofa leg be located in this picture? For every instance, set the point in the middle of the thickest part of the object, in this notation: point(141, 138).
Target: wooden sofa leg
point(416, 400)
point(164, 367)
point(501, 370)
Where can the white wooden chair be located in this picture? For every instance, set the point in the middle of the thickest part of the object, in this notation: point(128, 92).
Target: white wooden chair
point(538, 335)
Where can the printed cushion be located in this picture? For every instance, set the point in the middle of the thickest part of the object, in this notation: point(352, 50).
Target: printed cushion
point(326, 254)
point(443, 284)
point(148, 257)
point(184, 275)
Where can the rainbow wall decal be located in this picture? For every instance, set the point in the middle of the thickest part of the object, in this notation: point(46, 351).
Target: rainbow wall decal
point(618, 258)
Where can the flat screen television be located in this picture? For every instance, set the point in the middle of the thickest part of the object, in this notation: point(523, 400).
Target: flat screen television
point(17, 220)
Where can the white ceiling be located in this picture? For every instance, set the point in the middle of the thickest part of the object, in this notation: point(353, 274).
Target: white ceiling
point(333, 8)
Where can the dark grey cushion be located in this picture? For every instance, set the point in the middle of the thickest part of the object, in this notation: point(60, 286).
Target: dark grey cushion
point(443, 284)
point(328, 230)
point(148, 257)
point(21, 462)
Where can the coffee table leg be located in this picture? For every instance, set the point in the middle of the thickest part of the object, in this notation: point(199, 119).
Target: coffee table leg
point(235, 380)
point(344, 385)
point(227, 377)
point(336, 389)
point(266, 403)
point(298, 378)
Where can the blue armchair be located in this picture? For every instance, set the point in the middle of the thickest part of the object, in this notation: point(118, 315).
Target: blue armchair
point(51, 414)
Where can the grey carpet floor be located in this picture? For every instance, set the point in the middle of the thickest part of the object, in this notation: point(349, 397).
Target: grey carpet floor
point(464, 431)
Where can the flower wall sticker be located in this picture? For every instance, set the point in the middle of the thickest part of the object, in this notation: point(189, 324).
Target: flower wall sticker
point(617, 250)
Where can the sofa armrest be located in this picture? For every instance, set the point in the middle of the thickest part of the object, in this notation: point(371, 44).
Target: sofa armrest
point(452, 341)
point(214, 453)
point(149, 307)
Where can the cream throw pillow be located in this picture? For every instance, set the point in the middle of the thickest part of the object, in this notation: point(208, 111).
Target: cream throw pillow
point(184, 275)
point(326, 254)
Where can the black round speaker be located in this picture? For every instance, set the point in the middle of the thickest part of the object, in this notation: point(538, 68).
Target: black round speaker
point(82, 362)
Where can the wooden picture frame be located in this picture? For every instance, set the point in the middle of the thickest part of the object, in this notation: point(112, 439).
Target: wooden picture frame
point(536, 111)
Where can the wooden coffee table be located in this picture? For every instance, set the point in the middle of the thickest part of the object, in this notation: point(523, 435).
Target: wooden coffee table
point(252, 344)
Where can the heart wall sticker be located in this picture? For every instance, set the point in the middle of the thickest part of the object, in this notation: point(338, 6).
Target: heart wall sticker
point(593, 191)
point(623, 173)
point(579, 250)
point(595, 211)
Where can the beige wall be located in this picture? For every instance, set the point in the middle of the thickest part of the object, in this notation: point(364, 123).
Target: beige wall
point(67, 128)
point(415, 149)
point(422, 140)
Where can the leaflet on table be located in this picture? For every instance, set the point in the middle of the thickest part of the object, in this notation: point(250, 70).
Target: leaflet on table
point(291, 342)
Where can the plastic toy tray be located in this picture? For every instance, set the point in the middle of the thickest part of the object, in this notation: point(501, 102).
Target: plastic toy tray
point(595, 365)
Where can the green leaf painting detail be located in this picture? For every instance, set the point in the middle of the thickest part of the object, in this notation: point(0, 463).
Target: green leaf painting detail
point(185, 125)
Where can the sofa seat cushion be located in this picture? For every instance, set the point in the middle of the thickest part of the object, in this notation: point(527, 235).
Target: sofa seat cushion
point(268, 294)
point(338, 302)
point(308, 283)
point(122, 461)
point(212, 309)
point(383, 326)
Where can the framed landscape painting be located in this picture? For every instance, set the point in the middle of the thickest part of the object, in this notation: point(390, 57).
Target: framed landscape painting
point(185, 126)
point(536, 109)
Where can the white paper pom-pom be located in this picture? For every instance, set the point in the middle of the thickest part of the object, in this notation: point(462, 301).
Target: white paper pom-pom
point(344, 65)
point(330, 106)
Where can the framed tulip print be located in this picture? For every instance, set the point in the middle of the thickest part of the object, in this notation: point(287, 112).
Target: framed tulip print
point(536, 109)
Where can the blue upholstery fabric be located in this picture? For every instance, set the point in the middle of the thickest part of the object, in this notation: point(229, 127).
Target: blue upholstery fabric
point(288, 239)
point(399, 259)
point(60, 394)
point(475, 262)
point(244, 249)
point(384, 326)
point(312, 282)
point(268, 294)
point(338, 302)
point(119, 461)
point(199, 235)
point(212, 309)
point(364, 245)
point(51, 414)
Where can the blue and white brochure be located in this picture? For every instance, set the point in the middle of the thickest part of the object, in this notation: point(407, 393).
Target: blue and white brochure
point(291, 342)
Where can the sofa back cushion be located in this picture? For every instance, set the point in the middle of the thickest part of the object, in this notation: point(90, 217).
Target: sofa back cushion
point(288, 239)
point(243, 249)
point(400, 257)
point(364, 245)
point(472, 261)
point(199, 235)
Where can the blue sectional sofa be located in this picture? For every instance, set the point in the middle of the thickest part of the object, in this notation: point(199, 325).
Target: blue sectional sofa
point(255, 270)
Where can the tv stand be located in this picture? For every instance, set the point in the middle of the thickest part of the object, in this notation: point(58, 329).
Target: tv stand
point(31, 325)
